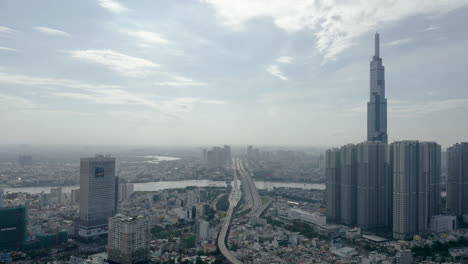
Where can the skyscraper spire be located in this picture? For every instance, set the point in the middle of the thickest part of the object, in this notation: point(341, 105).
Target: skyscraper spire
point(377, 45)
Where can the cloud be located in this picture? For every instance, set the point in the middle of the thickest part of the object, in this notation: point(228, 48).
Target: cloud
point(431, 27)
point(7, 49)
point(15, 102)
point(113, 6)
point(118, 62)
point(398, 42)
point(6, 30)
point(180, 81)
point(284, 59)
point(149, 37)
point(275, 71)
point(336, 23)
point(51, 31)
point(49, 82)
point(103, 94)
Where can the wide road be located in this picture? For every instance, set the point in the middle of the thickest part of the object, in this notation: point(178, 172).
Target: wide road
point(234, 198)
point(253, 198)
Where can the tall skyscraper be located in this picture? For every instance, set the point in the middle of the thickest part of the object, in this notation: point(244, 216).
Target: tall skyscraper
point(97, 195)
point(374, 186)
point(377, 106)
point(414, 165)
point(332, 171)
point(457, 180)
point(128, 239)
point(348, 183)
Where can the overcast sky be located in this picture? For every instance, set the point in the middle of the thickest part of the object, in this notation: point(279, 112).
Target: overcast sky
point(225, 71)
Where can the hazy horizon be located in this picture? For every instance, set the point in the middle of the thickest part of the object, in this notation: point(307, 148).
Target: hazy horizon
point(210, 72)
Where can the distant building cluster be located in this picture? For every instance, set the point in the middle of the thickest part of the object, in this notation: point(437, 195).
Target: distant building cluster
point(217, 157)
point(253, 154)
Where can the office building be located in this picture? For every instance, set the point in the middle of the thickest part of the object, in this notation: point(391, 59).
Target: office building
point(13, 227)
point(457, 180)
point(332, 171)
point(128, 239)
point(374, 186)
point(348, 183)
point(97, 195)
point(414, 165)
point(377, 105)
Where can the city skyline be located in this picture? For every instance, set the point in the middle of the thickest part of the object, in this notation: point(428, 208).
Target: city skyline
point(120, 72)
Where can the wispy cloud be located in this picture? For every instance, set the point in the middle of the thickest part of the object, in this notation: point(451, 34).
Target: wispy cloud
point(275, 71)
point(21, 79)
point(284, 59)
point(149, 37)
point(113, 6)
point(180, 81)
point(52, 31)
point(16, 102)
point(123, 64)
point(103, 94)
point(399, 42)
point(431, 28)
point(336, 24)
point(7, 49)
point(6, 30)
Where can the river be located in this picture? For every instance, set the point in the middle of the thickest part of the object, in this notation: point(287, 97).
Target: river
point(161, 185)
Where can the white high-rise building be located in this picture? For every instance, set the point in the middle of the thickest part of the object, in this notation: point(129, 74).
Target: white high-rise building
point(128, 239)
point(203, 229)
point(125, 191)
point(414, 166)
point(97, 195)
